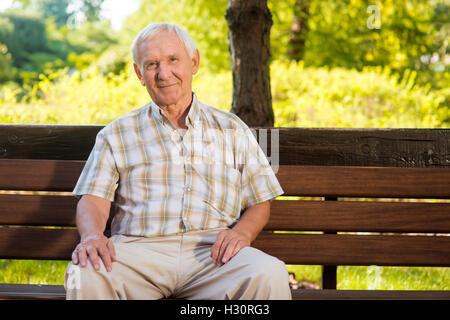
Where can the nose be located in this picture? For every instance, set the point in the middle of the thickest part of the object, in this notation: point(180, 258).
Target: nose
point(163, 71)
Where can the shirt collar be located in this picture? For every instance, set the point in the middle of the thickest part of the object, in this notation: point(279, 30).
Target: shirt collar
point(194, 112)
point(191, 118)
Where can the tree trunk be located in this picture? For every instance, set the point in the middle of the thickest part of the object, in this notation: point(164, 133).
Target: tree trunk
point(299, 29)
point(249, 23)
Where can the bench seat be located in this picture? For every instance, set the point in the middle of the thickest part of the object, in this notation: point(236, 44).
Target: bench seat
point(352, 197)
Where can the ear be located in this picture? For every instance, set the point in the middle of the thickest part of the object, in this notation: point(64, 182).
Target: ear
point(138, 73)
point(195, 62)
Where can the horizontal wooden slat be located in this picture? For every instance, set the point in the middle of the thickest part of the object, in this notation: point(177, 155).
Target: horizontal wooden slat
point(54, 244)
point(37, 243)
point(297, 146)
point(359, 216)
point(57, 292)
point(59, 175)
point(291, 215)
point(329, 249)
point(364, 181)
point(47, 141)
point(39, 210)
point(32, 291)
point(328, 294)
point(43, 175)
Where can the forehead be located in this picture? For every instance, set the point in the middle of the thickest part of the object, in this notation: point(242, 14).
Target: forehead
point(163, 43)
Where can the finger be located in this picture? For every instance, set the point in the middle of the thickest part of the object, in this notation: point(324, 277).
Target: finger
point(229, 251)
point(216, 247)
point(106, 258)
point(240, 244)
point(93, 256)
point(82, 256)
point(223, 249)
point(75, 257)
point(112, 250)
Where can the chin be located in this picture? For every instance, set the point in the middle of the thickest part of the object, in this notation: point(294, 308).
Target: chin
point(166, 102)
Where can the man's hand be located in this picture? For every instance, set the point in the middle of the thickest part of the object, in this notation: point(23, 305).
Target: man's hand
point(230, 242)
point(227, 245)
point(95, 247)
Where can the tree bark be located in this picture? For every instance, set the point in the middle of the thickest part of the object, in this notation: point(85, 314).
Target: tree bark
point(299, 30)
point(249, 23)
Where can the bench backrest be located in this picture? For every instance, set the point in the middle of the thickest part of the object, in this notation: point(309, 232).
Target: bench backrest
point(348, 175)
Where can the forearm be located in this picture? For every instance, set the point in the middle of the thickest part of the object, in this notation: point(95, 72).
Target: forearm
point(253, 220)
point(92, 216)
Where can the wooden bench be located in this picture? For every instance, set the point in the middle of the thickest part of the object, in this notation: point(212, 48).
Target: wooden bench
point(350, 173)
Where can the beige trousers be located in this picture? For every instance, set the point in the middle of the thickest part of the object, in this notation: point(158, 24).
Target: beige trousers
point(179, 266)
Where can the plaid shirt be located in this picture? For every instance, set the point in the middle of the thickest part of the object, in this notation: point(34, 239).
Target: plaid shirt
point(163, 182)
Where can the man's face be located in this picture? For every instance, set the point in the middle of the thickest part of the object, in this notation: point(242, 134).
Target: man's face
point(167, 69)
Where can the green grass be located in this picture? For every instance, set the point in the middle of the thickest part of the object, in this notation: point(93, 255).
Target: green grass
point(380, 278)
point(32, 271)
point(348, 277)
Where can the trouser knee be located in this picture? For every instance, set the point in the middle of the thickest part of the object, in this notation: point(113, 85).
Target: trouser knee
point(86, 282)
point(266, 277)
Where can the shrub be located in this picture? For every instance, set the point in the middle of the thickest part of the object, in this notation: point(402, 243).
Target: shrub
point(302, 97)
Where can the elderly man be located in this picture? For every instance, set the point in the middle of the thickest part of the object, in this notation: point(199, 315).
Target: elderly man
point(191, 190)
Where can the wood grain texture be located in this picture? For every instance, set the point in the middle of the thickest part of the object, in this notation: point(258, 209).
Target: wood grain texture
point(288, 215)
point(36, 141)
point(37, 210)
point(297, 146)
point(341, 249)
point(327, 163)
point(331, 181)
point(359, 216)
point(39, 175)
point(37, 243)
point(57, 292)
point(58, 175)
point(32, 291)
point(317, 249)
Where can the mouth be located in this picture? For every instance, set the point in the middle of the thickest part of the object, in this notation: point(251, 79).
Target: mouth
point(166, 86)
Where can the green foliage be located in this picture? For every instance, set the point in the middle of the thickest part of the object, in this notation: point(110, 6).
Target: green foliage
point(93, 37)
point(7, 70)
point(27, 35)
point(352, 76)
point(302, 97)
point(338, 97)
point(91, 9)
point(204, 20)
point(282, 16)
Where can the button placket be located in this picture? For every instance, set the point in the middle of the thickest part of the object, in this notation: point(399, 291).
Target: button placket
point(187, 178)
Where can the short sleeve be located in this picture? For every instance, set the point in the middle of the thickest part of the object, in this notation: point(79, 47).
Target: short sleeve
point(258, 181)
point(99, 176)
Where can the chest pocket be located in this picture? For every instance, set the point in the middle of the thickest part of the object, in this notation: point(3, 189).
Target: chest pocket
point(226, 186)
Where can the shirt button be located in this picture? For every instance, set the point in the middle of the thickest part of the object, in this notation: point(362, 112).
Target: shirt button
point(187, 188)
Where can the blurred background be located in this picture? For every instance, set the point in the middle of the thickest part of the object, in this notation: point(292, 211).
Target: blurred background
point(335, 63)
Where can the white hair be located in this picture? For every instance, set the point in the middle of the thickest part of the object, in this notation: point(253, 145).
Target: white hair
point(155, 28)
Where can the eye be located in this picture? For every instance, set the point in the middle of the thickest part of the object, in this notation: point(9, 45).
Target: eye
point(151, 65)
